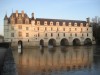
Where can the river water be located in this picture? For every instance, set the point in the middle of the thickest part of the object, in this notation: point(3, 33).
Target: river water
point(72, 60)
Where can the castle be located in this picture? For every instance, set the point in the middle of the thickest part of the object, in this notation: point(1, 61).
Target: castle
point(19, 28)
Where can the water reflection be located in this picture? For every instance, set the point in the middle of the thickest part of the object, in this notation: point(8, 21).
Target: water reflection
point(54, 60)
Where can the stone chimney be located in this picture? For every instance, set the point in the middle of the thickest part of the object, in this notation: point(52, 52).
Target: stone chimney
point(16, 13)
point(88, 20)
point(22, 13)
point(32, 16)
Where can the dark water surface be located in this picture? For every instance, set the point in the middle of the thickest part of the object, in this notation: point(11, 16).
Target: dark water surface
point(79, 60)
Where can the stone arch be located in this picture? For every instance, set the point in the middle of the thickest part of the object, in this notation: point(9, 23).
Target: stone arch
point(64, 42)
point(42, 42)
point(52, 42)
point(76, 42)
point(87, 41)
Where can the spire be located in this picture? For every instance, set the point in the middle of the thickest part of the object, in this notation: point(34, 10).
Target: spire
point(5, 18)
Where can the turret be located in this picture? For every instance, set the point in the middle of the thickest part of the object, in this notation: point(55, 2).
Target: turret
point(5, 20)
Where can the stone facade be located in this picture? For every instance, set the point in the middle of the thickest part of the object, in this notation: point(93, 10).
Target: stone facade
point(42, 31)
point(1, 38)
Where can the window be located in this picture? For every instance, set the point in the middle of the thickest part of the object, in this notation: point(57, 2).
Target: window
point(20, 26)
point(51, 34)
point(57, 23)
point(75, 34)
point(20, 34)
point(64, 23)
point(87, 29)
point(12, 34)
point(82, 35)
point(57, 29)
point(27, 34)
point(51, 28)
point(87, 34)
point(63, 29)
point(75, 29)
point(64, 34)
point(38, 35)
point(58, 34)
point(81, 24)
point(69, 29)
point(75, 24)
point(81, 29)
point(45, 28)
point(38, 22)
point(27, 28)
point(45, 34)
point(69, 23)
point(51, 23)
point(45, 22)
point(70, 34)
point(38, 28)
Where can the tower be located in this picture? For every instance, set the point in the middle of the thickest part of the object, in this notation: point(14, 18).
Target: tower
point(6, 28)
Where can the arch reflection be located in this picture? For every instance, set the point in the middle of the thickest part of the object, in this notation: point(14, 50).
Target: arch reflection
point(56, 59)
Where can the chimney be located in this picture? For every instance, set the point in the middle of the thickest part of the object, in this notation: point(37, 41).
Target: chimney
point(16, 13)
point(32, 16)
point(88, 20)
point(22, 13)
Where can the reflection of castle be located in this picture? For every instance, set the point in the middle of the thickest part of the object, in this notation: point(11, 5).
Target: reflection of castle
point(57, 60)
point(41, 31)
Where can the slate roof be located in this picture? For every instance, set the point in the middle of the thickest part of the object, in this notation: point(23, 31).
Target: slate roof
point(60, 21)
point(44, 19)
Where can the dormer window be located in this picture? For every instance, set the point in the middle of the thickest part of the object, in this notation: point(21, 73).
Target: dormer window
point(45, 22)
point(64, 23)
point(51, 23)
point(57, 23)
point(75, 24)
point(69, 24)
point(81, 24)
point(38, 22)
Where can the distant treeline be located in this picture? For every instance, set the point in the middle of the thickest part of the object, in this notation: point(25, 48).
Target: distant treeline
point(96, 32)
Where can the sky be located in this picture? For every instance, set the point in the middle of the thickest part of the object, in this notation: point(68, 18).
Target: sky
point(57, 9)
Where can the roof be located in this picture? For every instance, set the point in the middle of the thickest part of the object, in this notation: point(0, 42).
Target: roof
point(60, 21)
point(13, 15)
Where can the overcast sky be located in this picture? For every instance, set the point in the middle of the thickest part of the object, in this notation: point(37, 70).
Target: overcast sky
point(58, 9)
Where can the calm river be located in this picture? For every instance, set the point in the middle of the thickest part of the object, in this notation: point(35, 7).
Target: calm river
point(72, 60)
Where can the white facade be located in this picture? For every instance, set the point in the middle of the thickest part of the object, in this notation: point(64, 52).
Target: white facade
point(30, 31)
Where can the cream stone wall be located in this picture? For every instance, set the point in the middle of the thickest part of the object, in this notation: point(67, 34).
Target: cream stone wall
point(37, 32)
